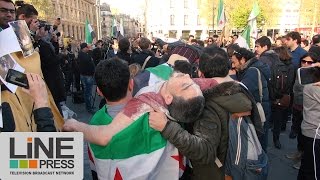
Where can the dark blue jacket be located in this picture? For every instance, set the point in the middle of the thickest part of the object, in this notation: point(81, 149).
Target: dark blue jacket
point(249, 77)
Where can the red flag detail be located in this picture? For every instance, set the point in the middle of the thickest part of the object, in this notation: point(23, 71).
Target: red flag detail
point(180, 159)
point(90, 155)
point(117, 176)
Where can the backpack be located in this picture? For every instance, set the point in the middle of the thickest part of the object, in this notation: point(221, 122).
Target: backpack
point(281, 82)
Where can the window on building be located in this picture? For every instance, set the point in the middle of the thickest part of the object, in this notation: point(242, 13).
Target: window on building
point(171, 3)
point(198, 20)
point(199, 3)
point(185, 20)
point(185, 3)
point(172, 20)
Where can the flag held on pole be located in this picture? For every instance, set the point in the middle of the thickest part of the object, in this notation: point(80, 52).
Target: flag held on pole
point(251, 30)
point(89, 33)
point(221, 18)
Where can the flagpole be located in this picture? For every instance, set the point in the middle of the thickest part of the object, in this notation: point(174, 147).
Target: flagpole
point(212, 18)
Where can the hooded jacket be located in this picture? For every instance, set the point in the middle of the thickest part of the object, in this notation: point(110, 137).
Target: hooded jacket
point(249, 77)
point(269, 57)
point(209, 140)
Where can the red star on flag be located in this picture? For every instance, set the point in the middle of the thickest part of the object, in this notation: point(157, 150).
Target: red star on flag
point(117, 176)
point(221, 22)
point(90, 155)
point(179, 158)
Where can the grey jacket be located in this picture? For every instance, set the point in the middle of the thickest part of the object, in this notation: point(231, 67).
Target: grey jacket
point(209, 140)
point(311, 110)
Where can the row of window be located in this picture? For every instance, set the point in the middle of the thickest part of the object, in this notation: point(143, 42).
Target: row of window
point(185, 20)
point(74, 14)
point(185, 3)
point(76, 31)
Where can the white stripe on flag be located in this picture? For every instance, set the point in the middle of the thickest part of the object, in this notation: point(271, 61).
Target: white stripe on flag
point(90, 28)
point(158, 165)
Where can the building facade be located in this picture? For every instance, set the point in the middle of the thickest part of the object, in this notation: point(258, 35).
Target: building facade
point(175, 19)
point(108, 20)
point(73, 14)
point(181, 18)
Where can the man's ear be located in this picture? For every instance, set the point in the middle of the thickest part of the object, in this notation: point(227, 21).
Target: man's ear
point(242, 61)
point(130, 85)
point(99, 92)
point(168, 98)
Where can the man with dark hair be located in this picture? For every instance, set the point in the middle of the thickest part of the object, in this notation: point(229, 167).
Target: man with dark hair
point(28, 13)
point(124, 47)
point(7, 13)
point(262, 50)
point(293, 42)
point(97, 53)
point(86, 68)
point(207, 145)
point(113, 80)
point(146, 58)
point(316, 40)
point(248, 68)
point(114, 84)
point(179, 94)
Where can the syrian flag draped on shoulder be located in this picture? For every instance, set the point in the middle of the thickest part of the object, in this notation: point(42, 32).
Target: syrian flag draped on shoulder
point(251, 30)
point(138, 151)
point(221, 20)
point(90, 35)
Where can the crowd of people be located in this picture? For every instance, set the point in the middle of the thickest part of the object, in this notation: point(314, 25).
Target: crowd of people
point(212, 101)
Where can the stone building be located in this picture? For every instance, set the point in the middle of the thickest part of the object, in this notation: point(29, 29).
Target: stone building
point(73, 14)
point(130, 25)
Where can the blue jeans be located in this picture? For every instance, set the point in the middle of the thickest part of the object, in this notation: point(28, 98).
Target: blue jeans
point(87, 82)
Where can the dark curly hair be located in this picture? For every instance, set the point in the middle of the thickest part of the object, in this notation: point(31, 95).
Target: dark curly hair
point(112, 77)
point(243, 53)
point(214, 62)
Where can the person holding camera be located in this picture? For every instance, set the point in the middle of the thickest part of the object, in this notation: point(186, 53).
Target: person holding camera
point(50, 65)
point(28, 13)
point(20, 104)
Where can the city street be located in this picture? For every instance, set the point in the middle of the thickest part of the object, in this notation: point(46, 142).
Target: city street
point(280, 166)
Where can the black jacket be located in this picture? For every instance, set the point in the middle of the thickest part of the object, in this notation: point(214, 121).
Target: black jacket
point(97, 55)
point(52, 73)
point(141, 57)
point(86, 65)
point(125, 56)
point(210, 132)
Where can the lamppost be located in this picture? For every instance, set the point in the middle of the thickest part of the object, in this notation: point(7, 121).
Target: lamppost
point(98, 12)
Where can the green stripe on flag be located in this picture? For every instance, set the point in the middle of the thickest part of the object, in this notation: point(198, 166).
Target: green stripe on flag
point(163, 71)
point(88, 33)
point(138, 138)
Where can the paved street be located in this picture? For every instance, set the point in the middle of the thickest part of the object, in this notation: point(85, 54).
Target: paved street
point(280, 166)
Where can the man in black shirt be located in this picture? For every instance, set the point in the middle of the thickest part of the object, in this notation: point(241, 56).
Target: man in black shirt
point(86, 68)
point(97, 53)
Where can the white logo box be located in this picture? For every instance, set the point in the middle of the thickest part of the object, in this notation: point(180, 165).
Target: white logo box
point(29, 160)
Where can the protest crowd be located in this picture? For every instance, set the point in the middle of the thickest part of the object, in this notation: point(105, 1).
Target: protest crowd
point(190, 109)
